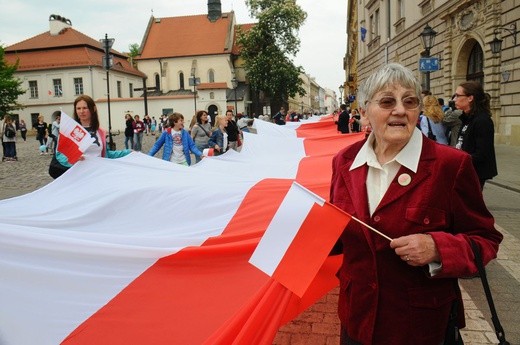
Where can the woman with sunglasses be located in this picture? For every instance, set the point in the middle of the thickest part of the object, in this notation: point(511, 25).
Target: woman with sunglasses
point(477, 133)
point(424, 197)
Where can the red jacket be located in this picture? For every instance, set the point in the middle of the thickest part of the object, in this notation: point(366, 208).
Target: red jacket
point(382, 299)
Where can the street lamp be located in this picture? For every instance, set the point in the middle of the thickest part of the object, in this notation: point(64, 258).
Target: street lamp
point(234, 83)
point(341, 88)
point(108, 62)
point(302, 109)
point(193, 81)
point(428, 39)
point(496, 44)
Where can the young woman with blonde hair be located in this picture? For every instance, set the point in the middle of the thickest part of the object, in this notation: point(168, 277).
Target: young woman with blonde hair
point(431, 120)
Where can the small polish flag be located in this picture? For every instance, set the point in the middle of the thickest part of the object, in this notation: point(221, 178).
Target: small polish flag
point(74, 139)
point(208, 152)
point(298, 240)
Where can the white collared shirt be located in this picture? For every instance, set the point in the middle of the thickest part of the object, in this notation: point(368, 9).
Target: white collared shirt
point(380, 176)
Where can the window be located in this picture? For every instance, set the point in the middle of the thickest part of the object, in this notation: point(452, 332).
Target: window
point(476, 64)
point(131, 90)
point(119, 91)
point(211, 76)
point(211, 95)
point(376, 23)
point(157, 83)
point(58, 89)
point(400, 9)
point(181, 80)
point(33, 87)
point(78, 86)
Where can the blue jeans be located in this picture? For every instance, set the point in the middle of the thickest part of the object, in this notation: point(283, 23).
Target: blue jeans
point(201, 149)
point(131, 139)
point(138, 140)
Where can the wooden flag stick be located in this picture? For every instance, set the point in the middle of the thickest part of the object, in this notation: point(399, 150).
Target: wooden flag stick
point(371, 228)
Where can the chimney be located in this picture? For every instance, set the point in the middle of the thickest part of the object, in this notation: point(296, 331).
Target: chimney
point(214, 10)
point(57, 24)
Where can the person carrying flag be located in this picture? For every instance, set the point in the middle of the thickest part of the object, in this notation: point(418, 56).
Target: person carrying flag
point(68, 151)
point(401, 288)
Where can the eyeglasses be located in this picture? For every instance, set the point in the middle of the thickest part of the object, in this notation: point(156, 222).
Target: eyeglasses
point(457, 96)
point(409, 103)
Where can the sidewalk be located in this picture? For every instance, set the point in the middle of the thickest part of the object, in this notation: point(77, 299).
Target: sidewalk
point(508, 162)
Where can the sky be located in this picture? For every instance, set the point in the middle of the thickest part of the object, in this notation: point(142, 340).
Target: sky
point(323, 35)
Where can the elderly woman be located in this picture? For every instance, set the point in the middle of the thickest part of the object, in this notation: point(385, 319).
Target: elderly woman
point(420, 194)
point(477, 134)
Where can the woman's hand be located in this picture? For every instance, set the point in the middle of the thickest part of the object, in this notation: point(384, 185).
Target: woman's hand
point(217, 148)
point(416, 250)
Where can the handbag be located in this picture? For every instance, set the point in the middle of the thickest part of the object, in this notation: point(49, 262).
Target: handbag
point(56, 169)
point(430, 132)
point(499, 331)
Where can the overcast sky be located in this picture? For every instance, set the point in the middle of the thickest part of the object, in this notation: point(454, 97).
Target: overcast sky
point(322, 36)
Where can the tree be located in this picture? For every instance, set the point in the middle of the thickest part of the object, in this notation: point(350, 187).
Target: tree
point(269, 47)
point(134, 52)
point(10, 87)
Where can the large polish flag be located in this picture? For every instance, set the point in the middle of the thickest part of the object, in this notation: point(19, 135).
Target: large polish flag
point(138, 250)
point(74, 139)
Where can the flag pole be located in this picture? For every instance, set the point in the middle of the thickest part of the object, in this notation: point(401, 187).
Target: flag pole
point(371, 228)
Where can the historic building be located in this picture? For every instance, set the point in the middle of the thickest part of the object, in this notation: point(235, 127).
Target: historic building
point(382, 31)
point(62, 63)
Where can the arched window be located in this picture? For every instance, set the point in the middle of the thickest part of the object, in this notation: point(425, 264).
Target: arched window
point(181, 80)
point(211, 76)
point(476, 64)
point(157, 82)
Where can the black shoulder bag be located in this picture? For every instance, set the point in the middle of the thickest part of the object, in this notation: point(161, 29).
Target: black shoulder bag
point(494, 316)
point(453, 334)
point(430, 132)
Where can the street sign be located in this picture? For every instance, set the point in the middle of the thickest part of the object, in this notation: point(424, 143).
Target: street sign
point(429, 64)
point(192, 83)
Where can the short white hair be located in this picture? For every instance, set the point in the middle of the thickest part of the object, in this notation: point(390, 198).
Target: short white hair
point(392, 73)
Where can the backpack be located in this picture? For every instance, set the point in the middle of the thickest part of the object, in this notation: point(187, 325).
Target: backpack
point(9, 131)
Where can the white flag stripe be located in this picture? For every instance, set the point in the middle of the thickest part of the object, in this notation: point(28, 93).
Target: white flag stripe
point(283, 228)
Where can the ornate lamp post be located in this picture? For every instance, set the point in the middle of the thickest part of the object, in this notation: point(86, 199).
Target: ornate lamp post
point(428, 39)
point(496, 44)
point(341, 88)
point(108, 62)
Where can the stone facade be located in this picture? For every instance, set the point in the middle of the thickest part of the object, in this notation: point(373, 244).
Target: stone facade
point(464, 30)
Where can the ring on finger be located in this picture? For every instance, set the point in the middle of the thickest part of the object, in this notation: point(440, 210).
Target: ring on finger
point(407, 258)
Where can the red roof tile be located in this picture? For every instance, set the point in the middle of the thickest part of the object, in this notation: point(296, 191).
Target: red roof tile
point(70, 48)
point(67, 37)
point(187, 36)
point(205, 86)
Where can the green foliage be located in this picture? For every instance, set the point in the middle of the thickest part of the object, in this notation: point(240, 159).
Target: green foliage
point(10, 87)
point(269, 46)
point(134, 52)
